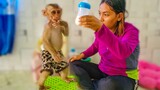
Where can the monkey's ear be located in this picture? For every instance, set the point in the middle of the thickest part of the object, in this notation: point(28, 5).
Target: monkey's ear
point(44, 12)
point(61, 10)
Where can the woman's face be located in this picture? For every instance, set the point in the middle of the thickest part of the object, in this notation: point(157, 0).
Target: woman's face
point(54, 13)
point(108, 16)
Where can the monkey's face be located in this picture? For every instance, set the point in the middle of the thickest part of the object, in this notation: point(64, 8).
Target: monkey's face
point(54, 13)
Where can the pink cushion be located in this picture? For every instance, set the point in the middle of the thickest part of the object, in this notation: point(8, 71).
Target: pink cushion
point(147, 82)
point(143, 64)
point(149, 73)
point(158, 84)
point(148, 65)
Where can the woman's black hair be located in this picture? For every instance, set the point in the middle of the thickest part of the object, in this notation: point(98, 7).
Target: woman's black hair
point(117, 5)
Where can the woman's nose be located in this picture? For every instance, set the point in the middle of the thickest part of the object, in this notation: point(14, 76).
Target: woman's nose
point(101, 18)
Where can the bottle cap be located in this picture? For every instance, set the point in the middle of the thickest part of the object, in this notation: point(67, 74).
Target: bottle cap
point(73, 50)
point(84, 4)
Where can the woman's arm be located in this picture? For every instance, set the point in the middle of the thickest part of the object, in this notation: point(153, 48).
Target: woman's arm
point(121, 48)
point(93, 49)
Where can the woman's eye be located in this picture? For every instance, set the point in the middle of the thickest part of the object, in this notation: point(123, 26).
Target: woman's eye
point(106, 14)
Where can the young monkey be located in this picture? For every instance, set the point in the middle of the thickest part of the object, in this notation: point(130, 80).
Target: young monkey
point(52, 57)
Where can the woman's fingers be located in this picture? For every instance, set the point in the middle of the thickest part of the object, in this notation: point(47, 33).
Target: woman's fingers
point(92, 25)
point(90, 22)
point(86, 18)
point(71, 59)
point(77, 57)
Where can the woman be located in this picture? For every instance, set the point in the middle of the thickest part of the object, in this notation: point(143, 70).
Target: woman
point(117, 43)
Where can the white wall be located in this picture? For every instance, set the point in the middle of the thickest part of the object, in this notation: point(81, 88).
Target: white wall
point(145, 14)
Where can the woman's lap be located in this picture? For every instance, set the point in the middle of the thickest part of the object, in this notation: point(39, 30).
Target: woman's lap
point(91, 78)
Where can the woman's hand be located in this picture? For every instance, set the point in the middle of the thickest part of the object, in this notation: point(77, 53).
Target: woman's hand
point(76, 57)
point(91, 22)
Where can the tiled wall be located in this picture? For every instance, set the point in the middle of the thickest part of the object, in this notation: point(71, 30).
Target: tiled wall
point(145, 14)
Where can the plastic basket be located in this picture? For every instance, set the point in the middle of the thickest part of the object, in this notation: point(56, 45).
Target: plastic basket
point(56, 83)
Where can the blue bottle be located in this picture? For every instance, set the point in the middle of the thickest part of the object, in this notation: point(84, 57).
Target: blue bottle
point(83, 9)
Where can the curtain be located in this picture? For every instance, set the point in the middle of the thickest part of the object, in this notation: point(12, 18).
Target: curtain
point(7, 26)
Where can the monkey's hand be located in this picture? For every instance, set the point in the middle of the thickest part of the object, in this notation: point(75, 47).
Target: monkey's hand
point(55, 23)
point(57, 58)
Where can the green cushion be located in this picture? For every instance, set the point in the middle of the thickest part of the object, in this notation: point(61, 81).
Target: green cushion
point(56, 83)
point(86, 59)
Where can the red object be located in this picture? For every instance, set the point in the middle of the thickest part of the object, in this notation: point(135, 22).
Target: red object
point(148, 83)
point(149, 75)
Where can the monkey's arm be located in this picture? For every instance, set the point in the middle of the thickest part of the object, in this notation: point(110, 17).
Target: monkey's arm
point(64, 28)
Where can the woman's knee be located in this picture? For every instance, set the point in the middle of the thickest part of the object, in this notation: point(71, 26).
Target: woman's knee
point(107, 84)
point(74, 65)
point(77, 62)
point(114, 83)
